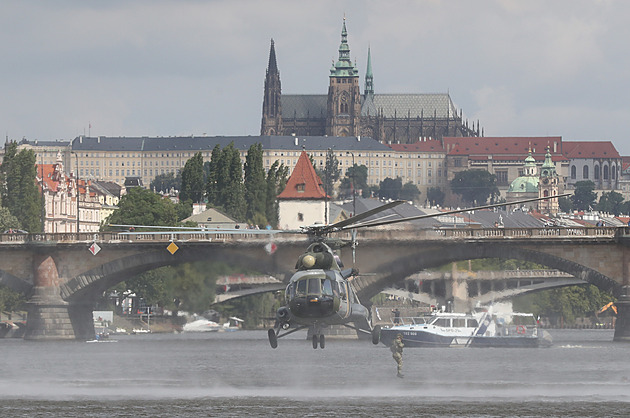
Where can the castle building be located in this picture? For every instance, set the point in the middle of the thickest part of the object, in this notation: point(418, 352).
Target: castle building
point(597, 161)
point(503, 157)
point(344, 111)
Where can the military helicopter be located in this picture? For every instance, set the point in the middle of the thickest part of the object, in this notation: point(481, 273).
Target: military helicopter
point(320, 292)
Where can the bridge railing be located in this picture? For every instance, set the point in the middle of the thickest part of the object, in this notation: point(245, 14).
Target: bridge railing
point(393, 234)
point(490, 233)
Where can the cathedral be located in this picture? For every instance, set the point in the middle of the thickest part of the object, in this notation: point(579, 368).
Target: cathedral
point(345, 111)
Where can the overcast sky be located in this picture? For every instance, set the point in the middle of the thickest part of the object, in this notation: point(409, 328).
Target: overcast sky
point(161, 68)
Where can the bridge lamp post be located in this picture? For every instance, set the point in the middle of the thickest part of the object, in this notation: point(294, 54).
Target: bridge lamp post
point(78, 191)
point(354, 186)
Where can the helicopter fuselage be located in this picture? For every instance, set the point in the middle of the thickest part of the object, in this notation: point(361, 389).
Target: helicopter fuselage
point(321, 297)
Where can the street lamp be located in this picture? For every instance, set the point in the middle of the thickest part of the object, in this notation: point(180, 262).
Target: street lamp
point(78, 192)
point(354, 186)
point(326, 188)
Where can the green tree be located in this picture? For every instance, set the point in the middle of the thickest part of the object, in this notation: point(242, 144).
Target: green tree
point(164, 183)
point(331, 172)
point(409, 192)
point(192, 179)
point(276, 181)
point(475, 186)
point(20, 193)
point(565, 204)
point(11, 301)
point(610, 202)
point(143, 207)
point(212, 174)
point(255, 186)
point(390, 188)
point(355, 179)
point(232, 191)
point(8, 221)
point(564, 305)
point(584, 197)
point(435, 196)
point(184, 210)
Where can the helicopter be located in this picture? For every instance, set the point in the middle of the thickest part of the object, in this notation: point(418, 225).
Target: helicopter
point(320, 293)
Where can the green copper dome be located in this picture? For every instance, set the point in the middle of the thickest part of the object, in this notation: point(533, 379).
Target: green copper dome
point(524, 184)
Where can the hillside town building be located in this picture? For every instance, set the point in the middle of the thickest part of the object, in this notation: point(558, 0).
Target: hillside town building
point(597, 161)
point(65, 198)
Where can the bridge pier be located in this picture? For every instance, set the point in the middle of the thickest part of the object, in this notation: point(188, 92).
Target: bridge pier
point(622, 325)
point(48, 315)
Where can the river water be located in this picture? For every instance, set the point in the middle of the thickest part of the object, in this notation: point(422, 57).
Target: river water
point(237, 374)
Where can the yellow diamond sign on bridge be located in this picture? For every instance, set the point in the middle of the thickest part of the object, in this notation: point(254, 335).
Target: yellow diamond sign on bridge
point(172, 248)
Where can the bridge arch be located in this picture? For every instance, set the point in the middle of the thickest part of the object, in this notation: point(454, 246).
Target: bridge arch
point(409, 264)
point(14, 283)
point(92, 283)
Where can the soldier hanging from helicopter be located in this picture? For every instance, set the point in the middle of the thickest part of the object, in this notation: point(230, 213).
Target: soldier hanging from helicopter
point(397, 350)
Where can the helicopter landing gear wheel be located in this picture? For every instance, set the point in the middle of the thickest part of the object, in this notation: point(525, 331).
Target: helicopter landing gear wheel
point(315, 341)
point(376, 334)
point(322, 341)
point(273, 338)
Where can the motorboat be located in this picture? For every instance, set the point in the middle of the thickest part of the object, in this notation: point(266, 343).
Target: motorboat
point(476, 329)
point(202, 325)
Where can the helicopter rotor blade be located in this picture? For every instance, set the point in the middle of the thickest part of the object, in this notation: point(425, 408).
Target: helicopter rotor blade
point(341, 224)
point(450, 212)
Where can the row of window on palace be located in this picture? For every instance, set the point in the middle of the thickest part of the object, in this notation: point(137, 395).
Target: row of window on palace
point(243, 154)
point(390, 163)
point(149, 172)
point(95, 163)
point(604, 173)
point(167, 163)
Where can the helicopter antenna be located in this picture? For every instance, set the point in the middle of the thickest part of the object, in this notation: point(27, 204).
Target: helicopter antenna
point(354, 247)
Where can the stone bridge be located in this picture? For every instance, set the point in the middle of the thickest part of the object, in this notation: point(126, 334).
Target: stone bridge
point(63, 274)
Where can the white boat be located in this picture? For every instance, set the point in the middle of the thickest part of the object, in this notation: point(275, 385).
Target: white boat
point(202, 325)
point(478, 329)
point(234, 324)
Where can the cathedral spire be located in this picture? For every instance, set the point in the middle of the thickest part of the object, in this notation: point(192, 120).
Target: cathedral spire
point(272, 99)
point(272, 67)
point(343, 67)
point(369, 78)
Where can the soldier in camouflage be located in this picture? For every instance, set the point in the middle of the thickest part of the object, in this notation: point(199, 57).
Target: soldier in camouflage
point(397, 350)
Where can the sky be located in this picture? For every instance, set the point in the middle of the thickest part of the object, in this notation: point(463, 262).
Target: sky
point(168, 68)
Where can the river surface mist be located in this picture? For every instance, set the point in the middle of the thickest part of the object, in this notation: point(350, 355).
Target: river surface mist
point(237, 373)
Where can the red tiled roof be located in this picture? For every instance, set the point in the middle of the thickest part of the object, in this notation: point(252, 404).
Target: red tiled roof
point(589, 149)
point(505, 146)
point(46, 171)
point(422, 146)
point(625, 163)
point(304, 183)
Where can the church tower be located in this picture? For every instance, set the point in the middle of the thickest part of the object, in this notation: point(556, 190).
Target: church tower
point(548, 186)
point(343, 116)
point(272, 101)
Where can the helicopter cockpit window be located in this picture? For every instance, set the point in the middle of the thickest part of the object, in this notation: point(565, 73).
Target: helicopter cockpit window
point(301, 287)
point(313, 286)
point(327, 287)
